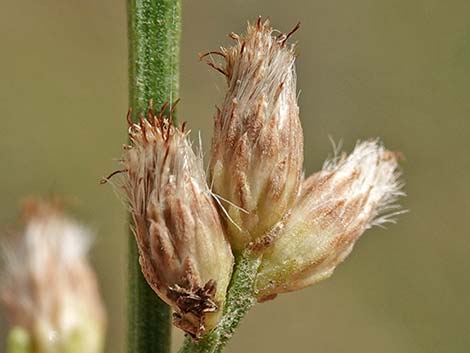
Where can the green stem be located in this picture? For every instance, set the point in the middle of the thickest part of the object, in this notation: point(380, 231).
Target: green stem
point(240, 299)
point(154, 33)
point(154, 38)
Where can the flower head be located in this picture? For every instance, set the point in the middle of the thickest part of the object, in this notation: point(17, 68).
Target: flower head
point(184, 254)
point(334, 208)
point(257, 149)
point(48, 288)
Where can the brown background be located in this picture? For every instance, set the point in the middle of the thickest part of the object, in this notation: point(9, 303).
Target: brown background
point(395, 69)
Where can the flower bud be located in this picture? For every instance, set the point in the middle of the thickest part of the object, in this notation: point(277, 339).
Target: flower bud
point(257, 148)
point(48, 288)
point(184, 254)
point(335, 207)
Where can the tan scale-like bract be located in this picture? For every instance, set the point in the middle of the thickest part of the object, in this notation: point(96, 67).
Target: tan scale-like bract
point(184, 254)
point(257, 149)
point(48, 286)
point(335, 207)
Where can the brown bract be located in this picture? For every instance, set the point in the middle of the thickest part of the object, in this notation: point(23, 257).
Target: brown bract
point(257, 148)
point(184, 254)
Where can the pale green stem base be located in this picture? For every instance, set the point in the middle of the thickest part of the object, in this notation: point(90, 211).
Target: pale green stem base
point(18, 341)
point(240, 299)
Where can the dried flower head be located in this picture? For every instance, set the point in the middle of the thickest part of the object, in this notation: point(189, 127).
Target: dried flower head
point(257, 149)
point(335, 207)
point(184, 254)
point(48, 287)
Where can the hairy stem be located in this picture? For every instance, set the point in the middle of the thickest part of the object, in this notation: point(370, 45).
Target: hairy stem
point(240, 299)
point(154, 36)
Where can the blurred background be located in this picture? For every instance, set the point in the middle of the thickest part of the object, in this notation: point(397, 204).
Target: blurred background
point(396, 69)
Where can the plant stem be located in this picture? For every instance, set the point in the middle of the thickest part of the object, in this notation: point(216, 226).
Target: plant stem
point(154, 37)
point(240, 299)
point(154, 34)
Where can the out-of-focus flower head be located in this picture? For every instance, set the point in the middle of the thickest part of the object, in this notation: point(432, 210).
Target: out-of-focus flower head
point(47, 286)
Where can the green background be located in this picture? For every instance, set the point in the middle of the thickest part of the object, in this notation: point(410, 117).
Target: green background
point(395, 69)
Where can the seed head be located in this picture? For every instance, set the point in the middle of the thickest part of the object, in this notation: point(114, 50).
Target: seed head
point(257, 149)
point(334, 208)
point(48, 288)
point(184, 254)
